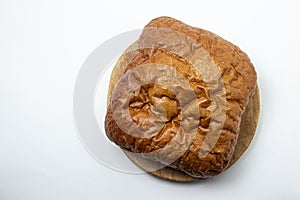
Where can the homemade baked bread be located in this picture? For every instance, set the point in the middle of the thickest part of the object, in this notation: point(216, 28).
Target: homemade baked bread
point(178, 98)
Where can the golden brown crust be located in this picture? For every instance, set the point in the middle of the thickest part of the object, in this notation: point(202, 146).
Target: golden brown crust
point(247, 131)
point(238, 77)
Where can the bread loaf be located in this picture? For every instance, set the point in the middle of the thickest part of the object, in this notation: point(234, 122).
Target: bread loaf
point(180, 98)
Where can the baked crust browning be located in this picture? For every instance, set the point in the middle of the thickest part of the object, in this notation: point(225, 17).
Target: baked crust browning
point(238, 79)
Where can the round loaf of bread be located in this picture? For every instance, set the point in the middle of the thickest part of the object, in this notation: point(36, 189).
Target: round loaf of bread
point(183, 102)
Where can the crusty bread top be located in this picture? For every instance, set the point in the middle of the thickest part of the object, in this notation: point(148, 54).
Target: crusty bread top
point(238, 80)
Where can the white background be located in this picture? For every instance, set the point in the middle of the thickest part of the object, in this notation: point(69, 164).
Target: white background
point(42, 47)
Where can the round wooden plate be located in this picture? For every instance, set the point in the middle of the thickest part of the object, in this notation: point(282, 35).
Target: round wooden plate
point(247, 129)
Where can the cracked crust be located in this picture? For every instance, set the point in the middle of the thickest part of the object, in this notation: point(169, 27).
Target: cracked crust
point(238, 78)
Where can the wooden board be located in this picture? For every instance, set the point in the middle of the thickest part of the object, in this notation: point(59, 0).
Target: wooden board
point(247, 129)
